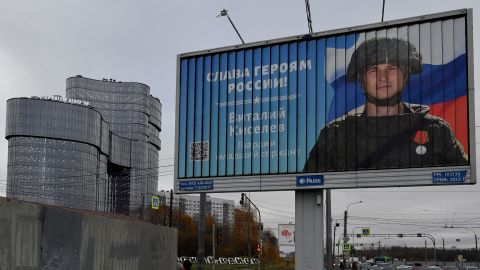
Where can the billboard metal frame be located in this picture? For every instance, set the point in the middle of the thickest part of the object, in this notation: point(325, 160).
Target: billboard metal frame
point(343, 179)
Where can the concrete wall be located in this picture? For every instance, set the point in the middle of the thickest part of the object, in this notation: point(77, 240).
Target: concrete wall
point(34, 236)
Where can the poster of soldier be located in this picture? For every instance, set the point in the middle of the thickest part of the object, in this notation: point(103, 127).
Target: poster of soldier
point(387, 104)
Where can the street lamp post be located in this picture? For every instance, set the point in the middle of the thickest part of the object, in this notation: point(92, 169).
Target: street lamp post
point(476, 244)
point(443, 248)
point(345, 237)
point(224, 12)
point(426, 252)
point(476, 249)
point(338, 244)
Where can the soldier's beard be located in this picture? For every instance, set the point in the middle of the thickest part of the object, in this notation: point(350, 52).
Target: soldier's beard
point(389, 101)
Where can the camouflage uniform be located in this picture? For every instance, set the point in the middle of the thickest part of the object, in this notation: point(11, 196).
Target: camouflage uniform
point(413, 138)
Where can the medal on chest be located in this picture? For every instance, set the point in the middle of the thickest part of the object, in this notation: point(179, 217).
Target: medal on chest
point(421, 138)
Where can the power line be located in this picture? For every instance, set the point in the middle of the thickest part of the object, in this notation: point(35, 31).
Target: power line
point(282, 211)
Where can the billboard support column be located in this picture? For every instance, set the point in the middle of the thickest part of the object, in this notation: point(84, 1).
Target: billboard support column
point(213, 245)
point(345, 237)
point(309, 229)
point(201, 231)
point(328, 209)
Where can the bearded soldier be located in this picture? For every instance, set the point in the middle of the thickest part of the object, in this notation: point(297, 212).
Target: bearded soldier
point(385, 132)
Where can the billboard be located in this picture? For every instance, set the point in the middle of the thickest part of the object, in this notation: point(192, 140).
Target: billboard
point(286, 234)
point(387, 104)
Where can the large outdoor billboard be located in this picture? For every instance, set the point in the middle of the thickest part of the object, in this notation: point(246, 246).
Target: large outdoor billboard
point(387, 104)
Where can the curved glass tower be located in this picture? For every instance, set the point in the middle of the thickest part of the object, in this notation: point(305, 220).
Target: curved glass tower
point(103, 156)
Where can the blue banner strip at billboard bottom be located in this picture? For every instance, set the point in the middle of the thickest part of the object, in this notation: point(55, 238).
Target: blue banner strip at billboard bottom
point(309, 180)
point(449, 177)
point(196, 185)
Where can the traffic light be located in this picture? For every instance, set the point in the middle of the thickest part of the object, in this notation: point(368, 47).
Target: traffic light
point(242, 200)
point(258, 248)
point(219, 232)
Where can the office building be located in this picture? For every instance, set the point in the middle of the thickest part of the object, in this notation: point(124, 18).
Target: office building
point(95, 149)
point(222, 210)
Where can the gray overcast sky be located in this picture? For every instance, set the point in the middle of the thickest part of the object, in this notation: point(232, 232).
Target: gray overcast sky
point(44, 42)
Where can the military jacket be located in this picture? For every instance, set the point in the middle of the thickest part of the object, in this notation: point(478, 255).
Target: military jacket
point(413, 138)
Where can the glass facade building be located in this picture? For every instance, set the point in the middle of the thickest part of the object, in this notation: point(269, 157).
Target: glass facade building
point(102, 156)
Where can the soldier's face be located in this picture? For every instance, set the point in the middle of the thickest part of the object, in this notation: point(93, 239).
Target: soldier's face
point(383, 81)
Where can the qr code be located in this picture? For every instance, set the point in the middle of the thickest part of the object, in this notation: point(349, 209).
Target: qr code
point(199, 150)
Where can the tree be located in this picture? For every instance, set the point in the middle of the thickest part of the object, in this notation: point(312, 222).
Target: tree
point(270, 252)
point(158, 216)
point(209, 235)
point(241, 219)
point(187, 236)
point(235, 238)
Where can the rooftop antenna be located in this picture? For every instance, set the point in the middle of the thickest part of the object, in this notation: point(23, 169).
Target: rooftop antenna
point(224, 12)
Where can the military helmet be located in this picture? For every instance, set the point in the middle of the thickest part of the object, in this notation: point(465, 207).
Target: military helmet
point(393, 51)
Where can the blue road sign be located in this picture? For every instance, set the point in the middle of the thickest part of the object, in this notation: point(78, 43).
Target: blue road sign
point(310, 180)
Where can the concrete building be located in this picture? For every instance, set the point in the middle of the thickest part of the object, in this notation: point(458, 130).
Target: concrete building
point(96, 149)
point(221, 209)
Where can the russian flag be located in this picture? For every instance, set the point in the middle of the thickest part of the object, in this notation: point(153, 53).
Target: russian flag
point(442, 85)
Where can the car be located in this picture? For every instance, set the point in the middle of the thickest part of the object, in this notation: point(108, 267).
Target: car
point(470, 268)
point(450, 267)
point(403, 267)
point(365, 266)
point(418, 266)
point(433, 267)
